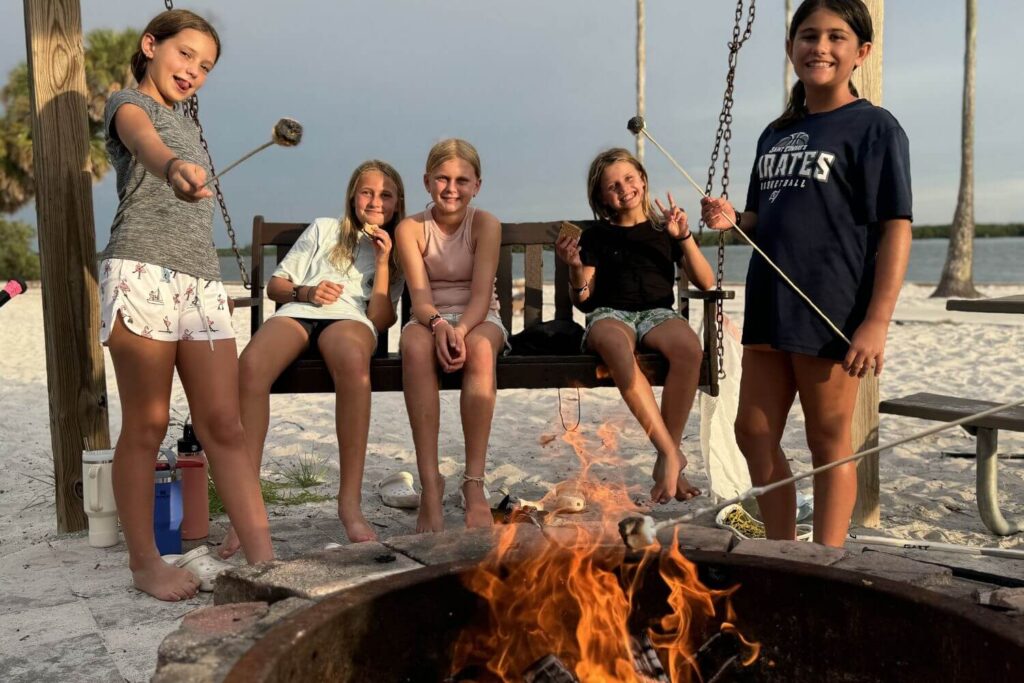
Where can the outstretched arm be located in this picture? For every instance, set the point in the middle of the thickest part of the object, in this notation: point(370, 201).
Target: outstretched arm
point(867, 347)
point(139, 136)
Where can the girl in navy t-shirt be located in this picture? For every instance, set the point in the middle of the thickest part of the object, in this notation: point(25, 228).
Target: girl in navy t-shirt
point(830, 203)
point(621, 273)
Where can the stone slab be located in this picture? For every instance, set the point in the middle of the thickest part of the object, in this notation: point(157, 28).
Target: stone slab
point(314, 576)
point(133, 608)
point(33, 578)
point(24, 631)
point(82, 658)
point(897, 568)
point(795, 551)
point(469, 545)
point(133, 648)
point(998, 570)
point(693, 537)
point(1007, 598)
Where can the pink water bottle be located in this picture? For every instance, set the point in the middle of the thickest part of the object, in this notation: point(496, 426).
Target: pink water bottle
point(195, 522)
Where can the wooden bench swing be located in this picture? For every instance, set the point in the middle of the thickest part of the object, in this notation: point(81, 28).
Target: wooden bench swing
point(309, 374)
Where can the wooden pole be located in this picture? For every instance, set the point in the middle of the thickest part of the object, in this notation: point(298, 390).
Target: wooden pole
point(641, 72)
point(67, 247)
point(866, 513)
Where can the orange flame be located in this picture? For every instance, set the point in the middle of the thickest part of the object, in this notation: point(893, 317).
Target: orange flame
point(572, 593)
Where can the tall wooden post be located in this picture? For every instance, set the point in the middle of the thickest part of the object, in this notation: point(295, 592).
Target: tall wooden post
point(868, 80)
point(67, 246)
point(641, 71)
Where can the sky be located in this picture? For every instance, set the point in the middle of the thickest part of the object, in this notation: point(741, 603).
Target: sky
point(540, 87)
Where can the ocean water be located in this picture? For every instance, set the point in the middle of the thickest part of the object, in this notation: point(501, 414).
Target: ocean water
point(997, 260)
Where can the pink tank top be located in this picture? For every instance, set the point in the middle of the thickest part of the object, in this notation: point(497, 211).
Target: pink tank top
point(449, 263)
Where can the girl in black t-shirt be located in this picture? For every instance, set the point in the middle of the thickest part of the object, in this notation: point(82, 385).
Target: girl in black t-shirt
point(621, 273)
point(830, 200)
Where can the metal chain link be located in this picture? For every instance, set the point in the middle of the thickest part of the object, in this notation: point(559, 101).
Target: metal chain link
point(723, 148)
point(191, 108)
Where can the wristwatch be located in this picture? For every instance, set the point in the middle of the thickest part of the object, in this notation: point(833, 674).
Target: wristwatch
point(295, 293)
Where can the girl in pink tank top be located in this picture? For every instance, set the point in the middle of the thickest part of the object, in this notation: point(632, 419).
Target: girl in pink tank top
point(449, 254)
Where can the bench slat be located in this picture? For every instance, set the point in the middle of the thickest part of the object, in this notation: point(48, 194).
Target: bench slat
point(533, 299)
point(504, 285)
point(947, 408)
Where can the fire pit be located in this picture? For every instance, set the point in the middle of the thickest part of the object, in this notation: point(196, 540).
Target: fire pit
point(813, 624)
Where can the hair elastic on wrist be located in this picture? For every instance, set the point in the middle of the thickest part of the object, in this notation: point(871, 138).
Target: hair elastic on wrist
point(167, 169)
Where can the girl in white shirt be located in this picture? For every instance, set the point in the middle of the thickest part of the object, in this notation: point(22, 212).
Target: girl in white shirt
point(340, 286)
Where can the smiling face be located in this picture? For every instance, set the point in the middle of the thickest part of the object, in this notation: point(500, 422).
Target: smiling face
point(452, 184)
point(824, 51)
point(623, 190)
point(374, 199)
point(178, 65)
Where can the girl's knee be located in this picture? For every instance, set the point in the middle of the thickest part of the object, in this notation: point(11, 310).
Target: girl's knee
point(348, 364)
point(219, 428)
point(754, 439)
point(253, 375)
point(684, 351)
point(146, 431)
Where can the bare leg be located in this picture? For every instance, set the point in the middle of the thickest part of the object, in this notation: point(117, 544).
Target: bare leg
point(677, 342)
point(423, 403)
point(767, 390)
point(210, 379)
point(275, 345)
point(347, 346)
point(614, 342)
point(828, 397)
point(476, 402)
point(144, 369)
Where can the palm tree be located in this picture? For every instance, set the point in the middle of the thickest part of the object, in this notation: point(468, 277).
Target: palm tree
point(958, 272)
point(641, 66)
point(107, 57)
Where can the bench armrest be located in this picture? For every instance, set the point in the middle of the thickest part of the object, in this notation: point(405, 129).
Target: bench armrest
point(709, 295)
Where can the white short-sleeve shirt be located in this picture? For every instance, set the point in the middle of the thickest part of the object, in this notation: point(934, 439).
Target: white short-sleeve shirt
point(307, 264)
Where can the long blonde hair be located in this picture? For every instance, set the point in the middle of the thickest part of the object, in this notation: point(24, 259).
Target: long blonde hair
point(597, 168)
point(343, 254)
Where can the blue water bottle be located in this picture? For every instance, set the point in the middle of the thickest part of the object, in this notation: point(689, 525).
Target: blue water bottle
point(167, 511)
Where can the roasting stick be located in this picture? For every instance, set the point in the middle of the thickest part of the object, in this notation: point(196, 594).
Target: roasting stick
point(914, 544)
point(638, 126)
point(286, 133)
point(639, 532)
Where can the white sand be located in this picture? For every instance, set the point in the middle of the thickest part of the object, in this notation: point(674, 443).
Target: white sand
point(924, 495)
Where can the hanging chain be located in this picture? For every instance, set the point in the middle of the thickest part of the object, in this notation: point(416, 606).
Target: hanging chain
point(191, 108)
point(723, 147)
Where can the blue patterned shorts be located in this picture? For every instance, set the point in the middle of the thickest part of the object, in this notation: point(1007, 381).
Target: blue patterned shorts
point(641, 322)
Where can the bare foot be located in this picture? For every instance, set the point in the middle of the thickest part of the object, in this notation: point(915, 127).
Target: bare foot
point(684, 489)
point(356, 526)
point(666, 475)
point(478, 510)
point(230, 545)
point(164, 581)
point(431, 517)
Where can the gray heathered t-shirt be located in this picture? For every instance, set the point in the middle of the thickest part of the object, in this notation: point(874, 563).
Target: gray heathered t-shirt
point(151, 224)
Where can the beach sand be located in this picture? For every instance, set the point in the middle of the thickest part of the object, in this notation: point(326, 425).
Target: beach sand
point(924, 495)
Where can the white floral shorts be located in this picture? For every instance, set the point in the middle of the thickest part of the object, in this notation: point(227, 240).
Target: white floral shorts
point(163, 304)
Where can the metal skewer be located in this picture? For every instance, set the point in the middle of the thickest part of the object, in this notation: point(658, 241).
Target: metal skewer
point(637, 126)
point(286, 133)
point(638, 532)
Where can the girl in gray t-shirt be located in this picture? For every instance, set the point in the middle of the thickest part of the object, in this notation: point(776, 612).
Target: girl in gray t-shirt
point(164, 307)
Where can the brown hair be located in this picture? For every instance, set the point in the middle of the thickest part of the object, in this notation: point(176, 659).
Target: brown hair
point(453, 148)
point(597, 168)
point(168, 24)
point(856, 14)
point(343, 253)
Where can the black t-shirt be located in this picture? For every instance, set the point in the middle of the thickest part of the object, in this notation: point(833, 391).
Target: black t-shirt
point(820, 188)
point(635, 266)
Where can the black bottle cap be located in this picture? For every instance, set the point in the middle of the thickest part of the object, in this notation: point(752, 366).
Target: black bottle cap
point(188, 443)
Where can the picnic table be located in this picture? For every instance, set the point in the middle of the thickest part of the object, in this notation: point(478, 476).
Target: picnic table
point(944, 408)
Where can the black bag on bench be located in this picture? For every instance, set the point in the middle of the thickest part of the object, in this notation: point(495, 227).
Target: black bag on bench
point(549, 338)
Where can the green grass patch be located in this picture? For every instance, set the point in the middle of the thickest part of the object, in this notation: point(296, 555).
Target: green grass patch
point(310, 470)
point(272, 492)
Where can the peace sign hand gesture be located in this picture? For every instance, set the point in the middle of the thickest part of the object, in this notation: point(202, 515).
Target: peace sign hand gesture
point(676, 223)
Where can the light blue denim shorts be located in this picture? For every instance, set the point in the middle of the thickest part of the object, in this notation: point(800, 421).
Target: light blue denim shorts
point(641, 322)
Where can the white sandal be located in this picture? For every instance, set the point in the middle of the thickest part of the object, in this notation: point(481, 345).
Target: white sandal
point(202, 564)
point(396, 491)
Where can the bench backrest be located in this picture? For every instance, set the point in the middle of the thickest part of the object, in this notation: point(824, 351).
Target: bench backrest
point(530, 238)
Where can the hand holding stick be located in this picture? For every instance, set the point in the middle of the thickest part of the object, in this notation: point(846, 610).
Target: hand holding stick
point(286, 133)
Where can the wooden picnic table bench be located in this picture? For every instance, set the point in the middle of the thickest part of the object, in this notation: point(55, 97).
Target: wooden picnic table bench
point(946, 408)
point(308, 374)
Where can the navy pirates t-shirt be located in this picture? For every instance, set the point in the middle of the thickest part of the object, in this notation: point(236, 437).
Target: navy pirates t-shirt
point(821, 187)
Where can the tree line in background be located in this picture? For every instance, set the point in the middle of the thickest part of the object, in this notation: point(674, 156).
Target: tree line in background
point(107, 57)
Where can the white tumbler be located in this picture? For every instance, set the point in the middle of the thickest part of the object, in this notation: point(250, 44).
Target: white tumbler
point(98, 492)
